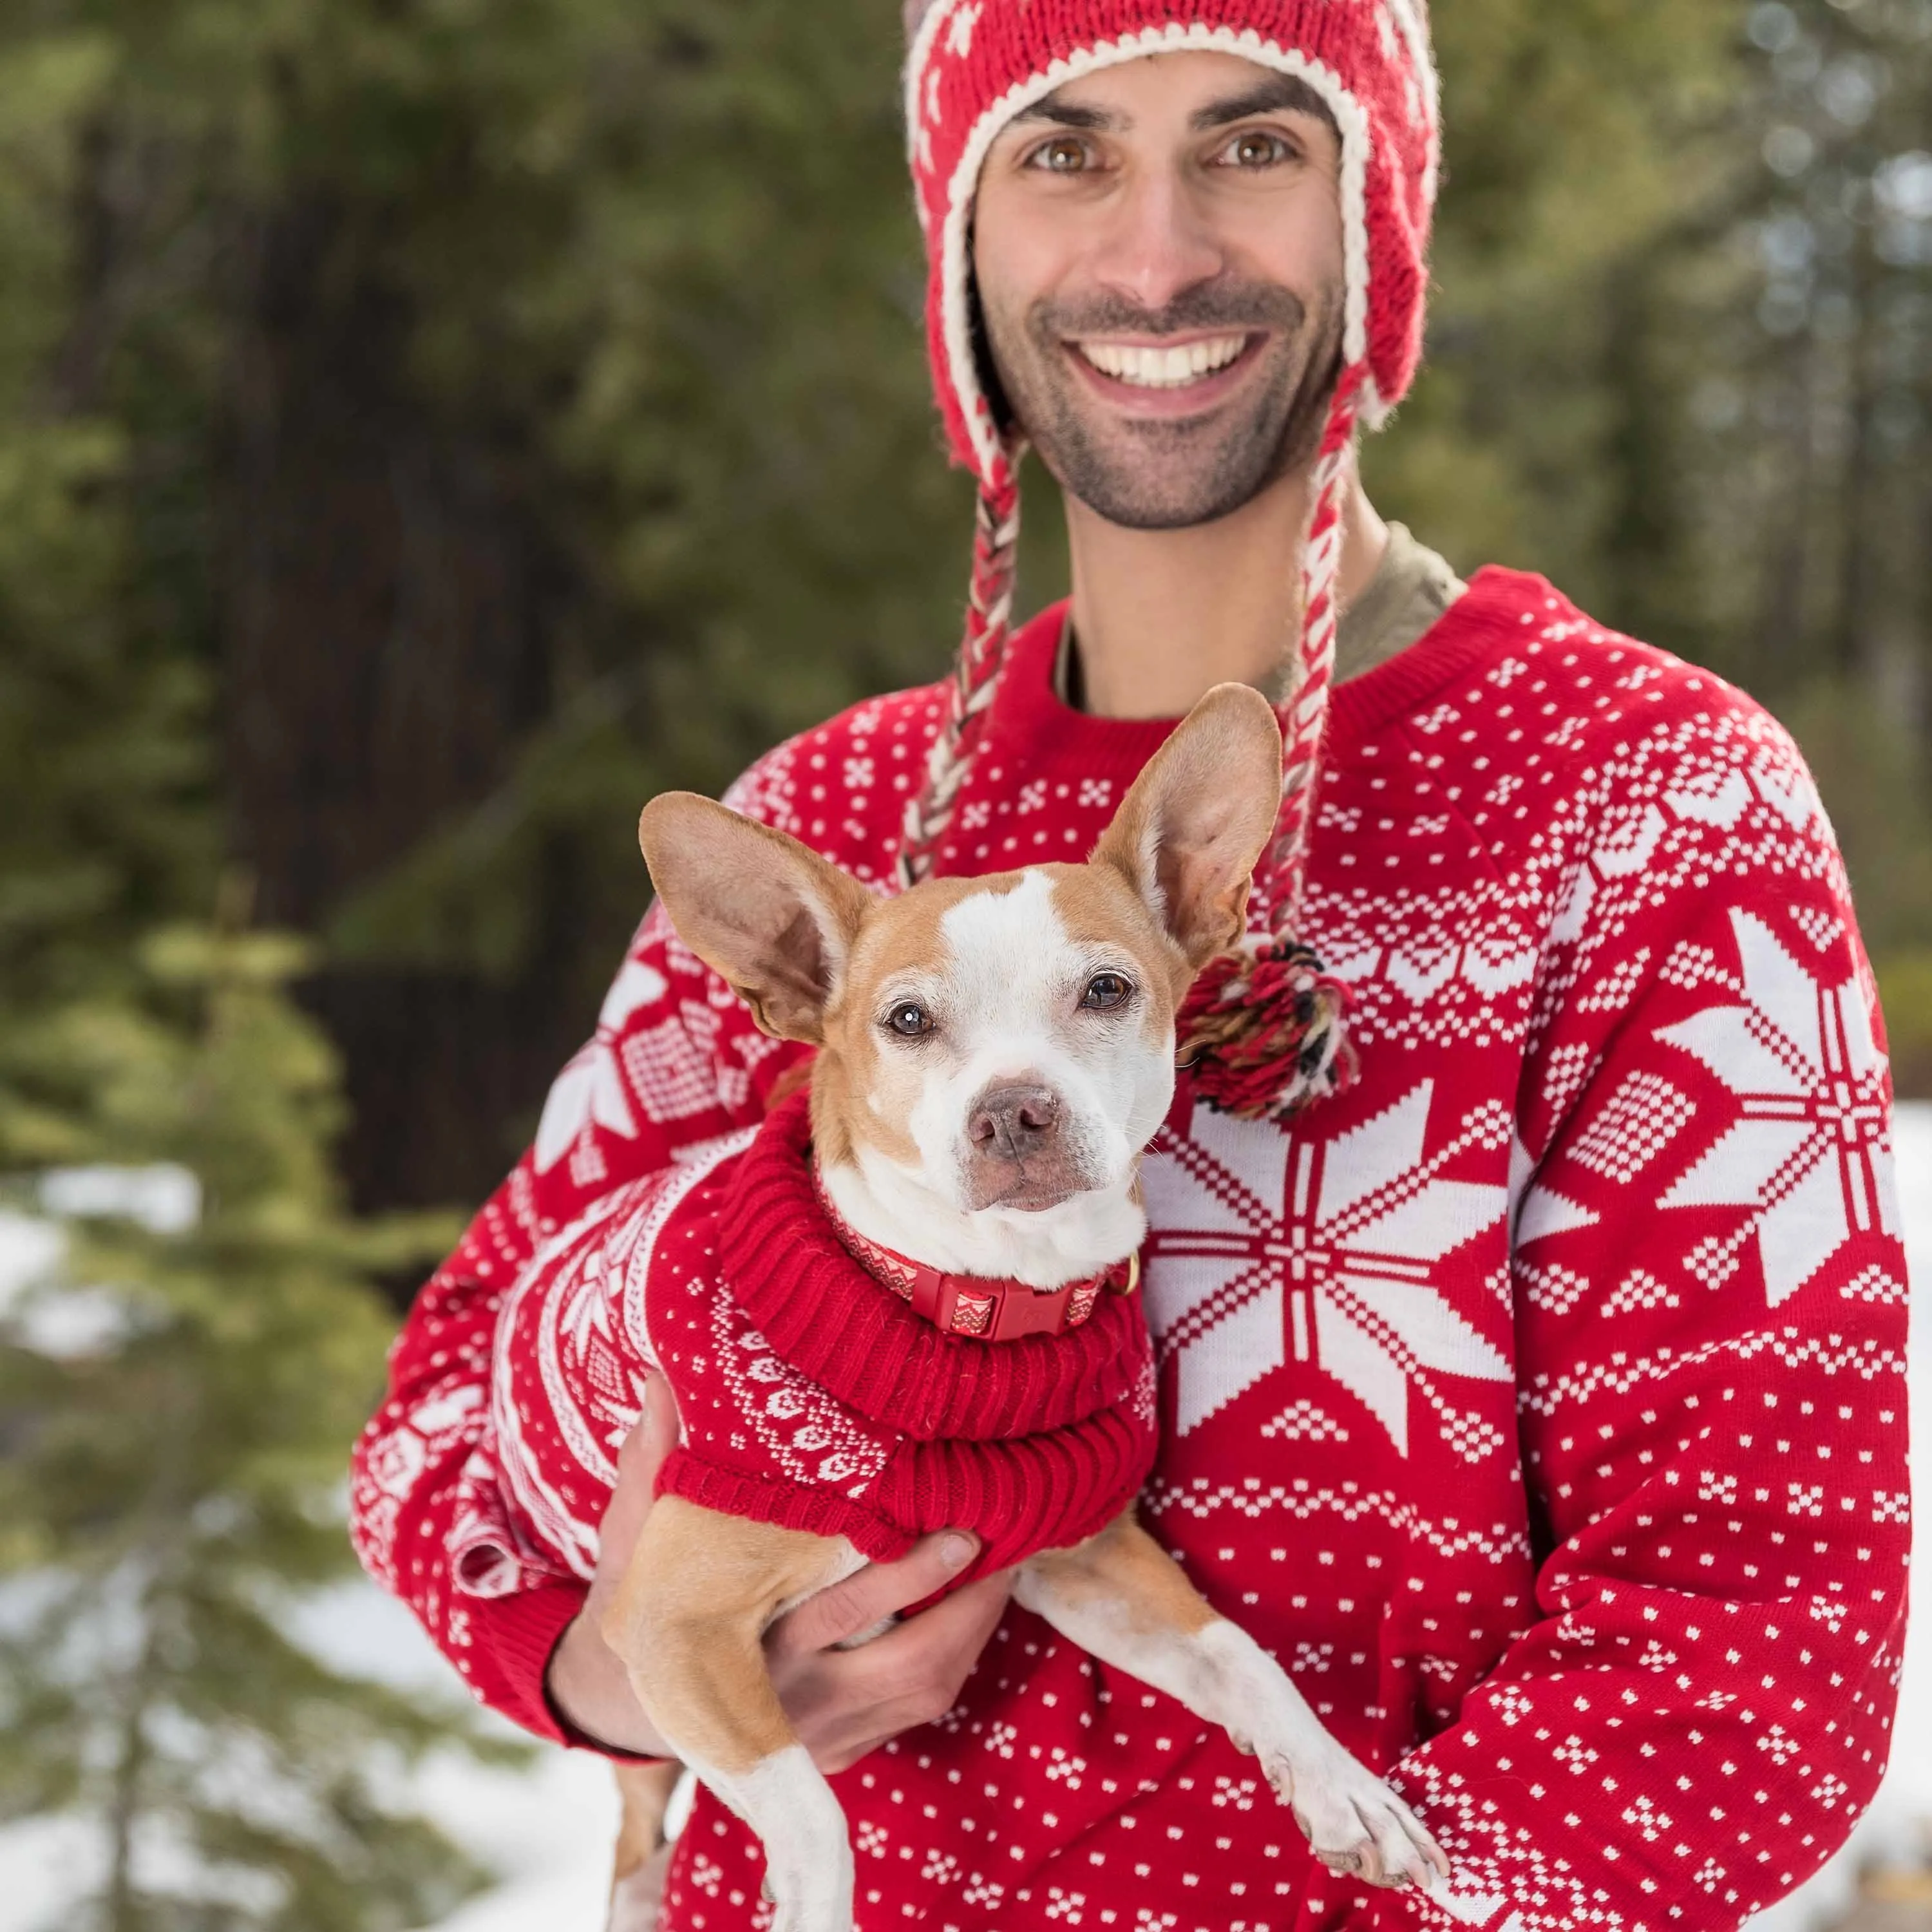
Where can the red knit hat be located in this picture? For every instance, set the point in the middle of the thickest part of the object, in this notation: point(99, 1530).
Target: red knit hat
point(1265, 1028)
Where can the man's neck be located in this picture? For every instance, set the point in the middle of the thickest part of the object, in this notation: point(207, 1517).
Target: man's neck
point(1161, 616)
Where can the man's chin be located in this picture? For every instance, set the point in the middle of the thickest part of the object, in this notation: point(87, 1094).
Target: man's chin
point(1139, 501)
point(1173, 474)
point(1131, 513)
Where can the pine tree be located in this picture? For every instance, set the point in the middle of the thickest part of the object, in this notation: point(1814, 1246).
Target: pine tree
point(178, 1397)
point(1805, 459)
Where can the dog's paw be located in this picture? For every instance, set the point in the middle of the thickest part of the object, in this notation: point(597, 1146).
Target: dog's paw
point(811, 1900)
point(801, 1915)
point(1355, 1824)
point(636, 1897)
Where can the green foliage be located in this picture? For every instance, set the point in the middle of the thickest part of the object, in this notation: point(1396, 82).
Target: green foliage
point(178, 1397)
point(1575, 140)
point(1905, 992)
point(176, 1400)
point(711, 293)
point(103, 819)
point(1870, 771)
point(663, 253)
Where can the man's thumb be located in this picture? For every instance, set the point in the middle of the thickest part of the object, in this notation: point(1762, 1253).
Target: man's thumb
point(655, 1434)
point(640, 1457)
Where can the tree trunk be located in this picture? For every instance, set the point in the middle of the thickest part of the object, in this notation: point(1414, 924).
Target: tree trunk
point(1857, 653)
point(390, 592)
point(1784, 628)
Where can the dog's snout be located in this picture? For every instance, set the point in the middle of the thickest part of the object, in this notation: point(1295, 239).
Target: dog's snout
point(1014, 1121)
point(1028, 1146)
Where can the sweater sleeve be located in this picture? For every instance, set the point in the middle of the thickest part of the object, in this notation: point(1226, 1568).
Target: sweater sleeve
point(1710, 1326)
point(675, 1061)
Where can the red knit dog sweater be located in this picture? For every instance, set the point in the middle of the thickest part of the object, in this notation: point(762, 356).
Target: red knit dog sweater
point(810, 1395)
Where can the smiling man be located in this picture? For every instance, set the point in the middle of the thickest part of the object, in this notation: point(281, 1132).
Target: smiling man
point(1524, 1259)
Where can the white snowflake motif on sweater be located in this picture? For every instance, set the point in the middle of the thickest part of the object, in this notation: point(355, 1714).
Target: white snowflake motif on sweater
point(1265, 1246)
point(1809, 1150)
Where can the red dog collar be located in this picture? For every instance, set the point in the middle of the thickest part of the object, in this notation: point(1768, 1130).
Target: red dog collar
point(979, 1306)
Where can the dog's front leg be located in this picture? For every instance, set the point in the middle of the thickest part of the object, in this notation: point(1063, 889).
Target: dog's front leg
point(699, 1593)
point(1123, 1599)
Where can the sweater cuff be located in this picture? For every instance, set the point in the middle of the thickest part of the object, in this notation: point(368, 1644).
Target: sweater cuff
point(519, 1634)
point(514, 1636)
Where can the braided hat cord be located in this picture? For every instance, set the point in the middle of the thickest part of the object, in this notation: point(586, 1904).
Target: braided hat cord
point(976, 674)
point(1315, 667)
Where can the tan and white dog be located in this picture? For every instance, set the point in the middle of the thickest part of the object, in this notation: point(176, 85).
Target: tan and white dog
point(994, 1055)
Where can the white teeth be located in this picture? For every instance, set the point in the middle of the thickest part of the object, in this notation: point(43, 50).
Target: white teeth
point(1163, 368)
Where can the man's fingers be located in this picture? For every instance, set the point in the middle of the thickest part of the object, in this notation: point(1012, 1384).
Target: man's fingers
point(911, 1676)
point(935, 1650)
point(879, 1591)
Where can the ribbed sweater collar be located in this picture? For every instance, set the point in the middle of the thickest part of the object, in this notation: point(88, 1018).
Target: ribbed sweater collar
point(829, 1318)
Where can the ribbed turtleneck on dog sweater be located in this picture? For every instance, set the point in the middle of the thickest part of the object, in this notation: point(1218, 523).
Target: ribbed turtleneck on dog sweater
point(809, 1395)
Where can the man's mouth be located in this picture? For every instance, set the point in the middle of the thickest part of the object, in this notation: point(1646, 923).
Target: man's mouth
point(1162, 366)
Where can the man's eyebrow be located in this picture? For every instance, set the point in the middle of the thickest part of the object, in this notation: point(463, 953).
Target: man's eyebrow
point(1269, 96)
point(1065, 114)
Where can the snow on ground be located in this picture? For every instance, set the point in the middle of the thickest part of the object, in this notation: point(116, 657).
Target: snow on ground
point(549, 1831)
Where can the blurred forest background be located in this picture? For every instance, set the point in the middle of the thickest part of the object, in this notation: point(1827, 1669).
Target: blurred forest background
point(428, 428)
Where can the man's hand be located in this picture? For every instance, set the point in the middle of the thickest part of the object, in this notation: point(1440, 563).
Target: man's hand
point(842, 1703)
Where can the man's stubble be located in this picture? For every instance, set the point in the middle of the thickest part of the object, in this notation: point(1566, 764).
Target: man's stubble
point(1169, 474)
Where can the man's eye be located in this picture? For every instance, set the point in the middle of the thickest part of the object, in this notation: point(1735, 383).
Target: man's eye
point(910, 1020)
point(1062, 156)
point(1105, 992)
point(1257, 149)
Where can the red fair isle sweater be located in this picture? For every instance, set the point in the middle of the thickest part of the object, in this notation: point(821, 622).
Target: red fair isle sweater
point(1540, 1403)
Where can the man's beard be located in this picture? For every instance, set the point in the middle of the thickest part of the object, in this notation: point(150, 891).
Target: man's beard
point(1165, 474)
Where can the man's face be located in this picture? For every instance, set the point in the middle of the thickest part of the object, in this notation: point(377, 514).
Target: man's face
point(1158, 251)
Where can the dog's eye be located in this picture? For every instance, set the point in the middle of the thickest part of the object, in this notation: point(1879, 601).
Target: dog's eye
point(1105, 990)
point(910, 1020)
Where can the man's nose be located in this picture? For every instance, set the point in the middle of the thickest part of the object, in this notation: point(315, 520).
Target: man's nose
point(1013, 1122)
point(1157, 243)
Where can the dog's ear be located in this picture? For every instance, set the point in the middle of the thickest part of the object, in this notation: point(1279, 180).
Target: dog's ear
point(764, 912)
point(1189, 833)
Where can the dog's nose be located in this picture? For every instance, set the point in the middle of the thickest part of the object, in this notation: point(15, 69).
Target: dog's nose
point(1014, 1121)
